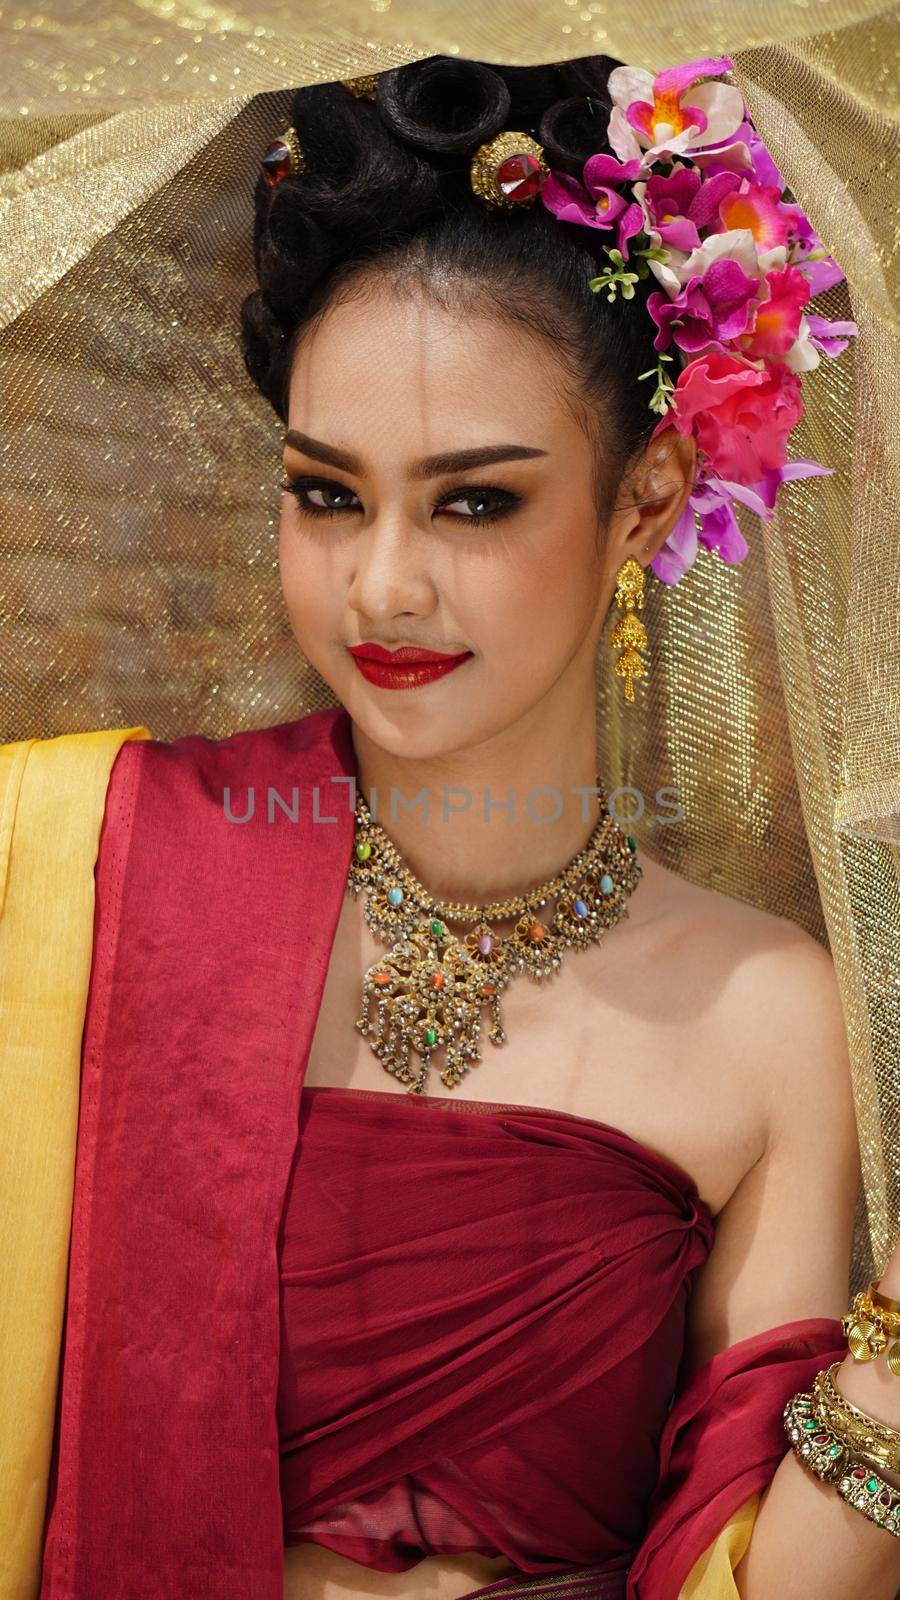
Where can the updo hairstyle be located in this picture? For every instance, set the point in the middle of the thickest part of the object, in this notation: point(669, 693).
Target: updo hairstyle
point(386, 190)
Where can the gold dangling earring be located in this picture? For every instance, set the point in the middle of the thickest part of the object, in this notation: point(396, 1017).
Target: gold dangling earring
point(629, 634)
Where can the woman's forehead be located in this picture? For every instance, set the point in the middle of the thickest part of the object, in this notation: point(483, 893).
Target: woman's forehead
point(406, 363)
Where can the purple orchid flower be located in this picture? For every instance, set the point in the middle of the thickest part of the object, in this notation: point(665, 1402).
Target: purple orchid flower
point(711, 309)
point(679, 205)
point(761, 496)
point(596, 203)
point(820, 275)
point(709, 521)
point(803, 243)
point(830, 337)
point(761, 163)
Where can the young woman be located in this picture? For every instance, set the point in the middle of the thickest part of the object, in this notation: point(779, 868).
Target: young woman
point(524, 1320)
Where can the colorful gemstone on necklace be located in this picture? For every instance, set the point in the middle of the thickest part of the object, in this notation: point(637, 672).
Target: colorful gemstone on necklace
point(430, 1036)
point(438, 930)
point(395, 896)
point(606, 883)
point(363, 850)
point(580, 908)
point(631, 843)
point(485, 944)
point(537, 932)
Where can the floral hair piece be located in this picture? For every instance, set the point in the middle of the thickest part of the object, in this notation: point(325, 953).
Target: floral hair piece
point(692, 196)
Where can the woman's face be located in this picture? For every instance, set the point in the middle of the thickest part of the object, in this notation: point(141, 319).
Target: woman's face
point(383, 542)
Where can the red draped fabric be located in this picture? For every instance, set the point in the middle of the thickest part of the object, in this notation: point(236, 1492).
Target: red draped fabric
point(471, 1343)
point(211, 943)
point(723, 1440)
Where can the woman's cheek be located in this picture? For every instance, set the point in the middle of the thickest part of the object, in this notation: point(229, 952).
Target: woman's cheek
point(307, 592)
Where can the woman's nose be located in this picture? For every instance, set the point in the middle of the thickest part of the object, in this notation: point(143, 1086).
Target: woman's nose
point(390, 577)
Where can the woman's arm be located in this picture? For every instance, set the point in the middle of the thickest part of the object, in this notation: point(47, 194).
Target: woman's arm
point(782, 1252)
point(806, 1540)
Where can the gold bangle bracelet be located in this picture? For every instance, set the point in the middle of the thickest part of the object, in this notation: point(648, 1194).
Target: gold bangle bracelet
point(817, 1447)
point(869, 1440)
point(882, 1302)
point(825, 1455)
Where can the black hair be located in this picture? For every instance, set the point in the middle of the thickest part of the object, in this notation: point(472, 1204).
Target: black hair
point(386, 185)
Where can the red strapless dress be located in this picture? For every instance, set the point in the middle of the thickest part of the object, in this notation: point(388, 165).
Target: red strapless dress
point(482, 1319)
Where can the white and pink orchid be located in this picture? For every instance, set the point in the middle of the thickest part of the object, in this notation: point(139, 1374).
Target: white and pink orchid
point(671, 111)
point(736, 244)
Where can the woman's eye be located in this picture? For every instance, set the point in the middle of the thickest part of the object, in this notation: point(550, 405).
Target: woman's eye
point(318, 497)
point(483, 505)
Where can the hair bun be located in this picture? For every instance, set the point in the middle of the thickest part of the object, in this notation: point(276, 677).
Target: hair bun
point(292, 252)
point(442, 104)
point(572, 129)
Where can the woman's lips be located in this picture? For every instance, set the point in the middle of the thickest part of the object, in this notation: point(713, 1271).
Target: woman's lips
point(406, 668)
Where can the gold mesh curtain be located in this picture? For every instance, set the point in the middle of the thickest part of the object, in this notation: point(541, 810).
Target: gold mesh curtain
point(138, 558)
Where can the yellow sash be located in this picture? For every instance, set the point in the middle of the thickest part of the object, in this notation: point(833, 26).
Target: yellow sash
point(52, 797)
point(711, 1576)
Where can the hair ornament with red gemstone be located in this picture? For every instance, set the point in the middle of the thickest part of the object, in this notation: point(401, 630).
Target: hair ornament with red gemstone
point(508, 171)
point(282, 156)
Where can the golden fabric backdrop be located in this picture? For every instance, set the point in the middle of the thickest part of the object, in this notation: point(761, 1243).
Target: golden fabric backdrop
point(138, 552)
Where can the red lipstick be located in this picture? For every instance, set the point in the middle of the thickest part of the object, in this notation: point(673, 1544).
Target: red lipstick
point(405, 668)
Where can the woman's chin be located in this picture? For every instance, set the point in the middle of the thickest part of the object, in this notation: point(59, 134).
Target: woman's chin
point(422, 724)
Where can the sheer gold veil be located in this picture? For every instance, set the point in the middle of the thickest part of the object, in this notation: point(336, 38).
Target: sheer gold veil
point(138, 556)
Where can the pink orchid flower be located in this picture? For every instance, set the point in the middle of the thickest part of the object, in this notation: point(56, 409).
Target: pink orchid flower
point(756, 207)
point(736, 245)
point(679, 205)
point(776, 326)
point(597, 203)
point(671, 111)
point(710, 310)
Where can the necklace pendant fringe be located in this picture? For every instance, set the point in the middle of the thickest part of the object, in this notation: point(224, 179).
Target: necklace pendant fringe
point(427, 994)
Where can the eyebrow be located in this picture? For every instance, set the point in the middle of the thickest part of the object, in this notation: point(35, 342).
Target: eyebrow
point(429, 467)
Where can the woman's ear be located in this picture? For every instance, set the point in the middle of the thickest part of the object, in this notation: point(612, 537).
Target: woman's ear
point(652, 495)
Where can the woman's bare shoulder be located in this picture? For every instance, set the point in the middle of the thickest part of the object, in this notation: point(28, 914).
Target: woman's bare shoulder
point(731, 932)
point(762, 992)
point(771, 998)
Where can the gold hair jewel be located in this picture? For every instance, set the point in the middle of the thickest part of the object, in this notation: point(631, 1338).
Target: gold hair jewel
point(508, 171)
point(365, 88)
point(629, 634)
point(282, 156)
point(432, 986)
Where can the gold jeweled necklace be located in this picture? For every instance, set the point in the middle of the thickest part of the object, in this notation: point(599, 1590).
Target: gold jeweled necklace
point(431, 987)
